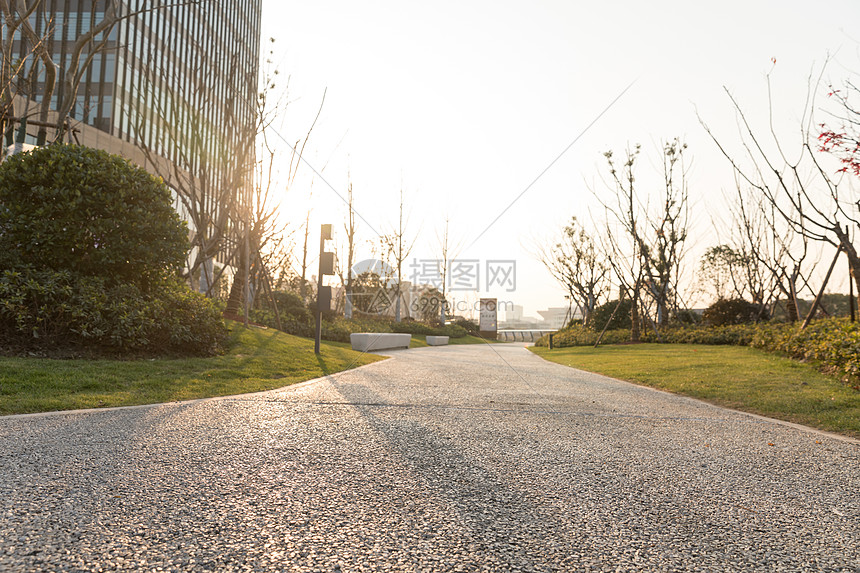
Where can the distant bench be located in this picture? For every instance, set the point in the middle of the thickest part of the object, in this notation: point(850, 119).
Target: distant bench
point(368, 341)
point(437, 340)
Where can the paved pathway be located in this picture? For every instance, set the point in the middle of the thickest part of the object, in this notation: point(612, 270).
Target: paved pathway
point(458, 458)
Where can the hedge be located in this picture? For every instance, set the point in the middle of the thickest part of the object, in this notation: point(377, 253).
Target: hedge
point(338, 329)
point(56, 310)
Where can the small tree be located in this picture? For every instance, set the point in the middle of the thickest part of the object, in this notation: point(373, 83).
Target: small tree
point(349, 228)
point(577, 264)
point(627, 246)
point(668, 227)
point(731, 311)
point(448, 251)
point(397, 246)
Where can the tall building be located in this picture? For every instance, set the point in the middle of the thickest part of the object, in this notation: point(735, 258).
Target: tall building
point(171, 86)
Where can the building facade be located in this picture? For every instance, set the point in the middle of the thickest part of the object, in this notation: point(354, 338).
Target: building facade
point(170, 85)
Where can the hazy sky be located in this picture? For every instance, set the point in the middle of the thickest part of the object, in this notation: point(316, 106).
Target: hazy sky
point(467, 102)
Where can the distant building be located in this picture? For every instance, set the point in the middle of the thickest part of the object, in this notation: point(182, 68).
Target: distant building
point(557, 317)
point(514, 313)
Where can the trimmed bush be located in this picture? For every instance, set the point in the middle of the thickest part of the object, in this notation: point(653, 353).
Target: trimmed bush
point(731, 311)
point(600, 316)
point(90, 251)
point(735, 335)
point(72, 208)
point(578, 335)
point(338, 329)
point(470, 326)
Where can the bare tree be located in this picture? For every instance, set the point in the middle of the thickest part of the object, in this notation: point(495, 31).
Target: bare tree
point(349, 227)
point(646, 246)
point(664, 255)
point(208, 173)
point(260, 216)
point(806, 195)
point(303, 286)
point(448, 250)
point(12, 80)
point(398, 247)
point(770, 255)
point(626, 243)
point(67, 75)
point(577, 264)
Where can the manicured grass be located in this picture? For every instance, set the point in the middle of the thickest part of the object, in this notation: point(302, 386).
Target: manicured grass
point(258, 360)
point(737, 377)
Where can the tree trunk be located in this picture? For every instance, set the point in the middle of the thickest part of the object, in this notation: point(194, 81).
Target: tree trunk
point(237, 289)
point(854, 264)
point(634, 315)
point(397, 317)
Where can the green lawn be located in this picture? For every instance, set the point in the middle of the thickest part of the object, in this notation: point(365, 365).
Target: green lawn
point(258, 360)
point(737, 377)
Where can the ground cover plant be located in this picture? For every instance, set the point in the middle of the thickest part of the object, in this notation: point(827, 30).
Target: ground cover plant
point(257, 360)
point(742, 378)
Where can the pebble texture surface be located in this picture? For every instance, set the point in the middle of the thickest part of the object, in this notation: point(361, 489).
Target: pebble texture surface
point(459, 458)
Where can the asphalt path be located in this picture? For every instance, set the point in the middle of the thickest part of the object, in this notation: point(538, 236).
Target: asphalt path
point(461, 458)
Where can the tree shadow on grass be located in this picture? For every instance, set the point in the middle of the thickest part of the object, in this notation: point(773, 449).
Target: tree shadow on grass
point(324, 367)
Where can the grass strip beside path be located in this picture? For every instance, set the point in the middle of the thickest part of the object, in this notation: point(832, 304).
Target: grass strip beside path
point(258, 360)
point(733, 376)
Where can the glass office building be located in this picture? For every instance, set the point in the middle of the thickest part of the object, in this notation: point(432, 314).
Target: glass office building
point(176, 78)
point(167, 69)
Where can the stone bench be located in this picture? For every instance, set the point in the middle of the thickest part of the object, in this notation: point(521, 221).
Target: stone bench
point(368, 341)
point(437, 340)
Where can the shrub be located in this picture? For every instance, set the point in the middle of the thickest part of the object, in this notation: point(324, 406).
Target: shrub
point(292, 307)
point(470, 326)
point(834, 343)
point(56, 310)
point(338, 328)
point(578, 335)
point(730, 311)
point(72, 208)
point(737, 335)
point(687, 317)
point(600, 316)
point(91, 250)
point(409, 327)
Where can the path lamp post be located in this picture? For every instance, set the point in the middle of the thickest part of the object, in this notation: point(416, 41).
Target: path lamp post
point(323, 292)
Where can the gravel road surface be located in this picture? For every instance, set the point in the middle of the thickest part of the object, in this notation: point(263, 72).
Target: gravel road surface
point(461, 458)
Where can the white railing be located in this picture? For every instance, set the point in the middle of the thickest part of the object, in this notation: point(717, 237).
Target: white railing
point(522, 335)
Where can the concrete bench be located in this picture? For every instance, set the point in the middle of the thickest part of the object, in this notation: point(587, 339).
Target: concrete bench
point(437, 340)
point(368, 341)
